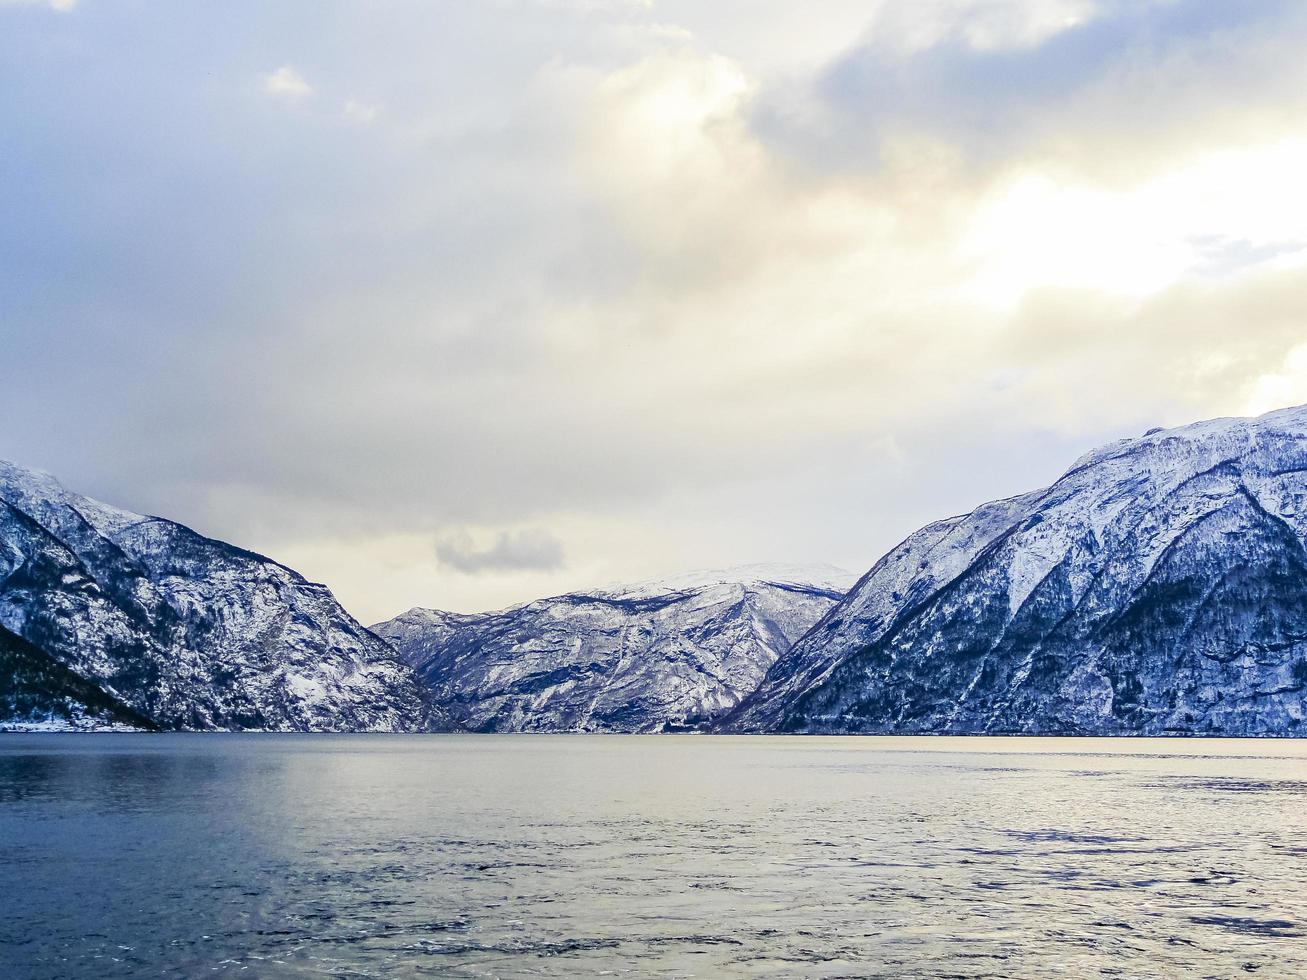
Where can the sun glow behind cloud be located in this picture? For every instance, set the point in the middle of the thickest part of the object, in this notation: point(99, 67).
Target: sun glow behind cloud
point(1138, 239)
point(668, 284)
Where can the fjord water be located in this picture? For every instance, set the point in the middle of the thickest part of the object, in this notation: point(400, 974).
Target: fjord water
point(505, 856)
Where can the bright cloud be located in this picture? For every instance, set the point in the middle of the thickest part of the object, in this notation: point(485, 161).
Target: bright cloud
point(1138, 239)
point(287, 83)
point(1287, 386)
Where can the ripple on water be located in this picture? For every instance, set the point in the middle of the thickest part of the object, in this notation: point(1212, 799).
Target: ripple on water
point(1281, 928)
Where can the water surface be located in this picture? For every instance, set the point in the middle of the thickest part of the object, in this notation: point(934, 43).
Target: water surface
point(508, 856)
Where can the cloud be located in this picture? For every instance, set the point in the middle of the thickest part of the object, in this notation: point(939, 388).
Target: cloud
point(1277, 388)
point(287, 83)
point(359, 112)
point(1113, 86)
point(1200, 216)
point(530, 550)
point(689, 285)
point(980, 25)
point(63, 6)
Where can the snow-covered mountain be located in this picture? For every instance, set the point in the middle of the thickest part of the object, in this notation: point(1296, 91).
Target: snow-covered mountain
point(668, 655)
point(1159, 586)
point(109, 615)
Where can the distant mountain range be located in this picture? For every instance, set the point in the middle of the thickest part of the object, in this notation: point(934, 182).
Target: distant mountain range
point(668, 655)
point(1158, 587)
point(112, 618)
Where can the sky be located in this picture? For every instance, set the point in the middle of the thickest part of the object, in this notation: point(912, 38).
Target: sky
point(458, 304)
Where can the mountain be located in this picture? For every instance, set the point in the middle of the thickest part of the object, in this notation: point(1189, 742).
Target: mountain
point(1159, 586)
point(669, 655)
point(112, 615)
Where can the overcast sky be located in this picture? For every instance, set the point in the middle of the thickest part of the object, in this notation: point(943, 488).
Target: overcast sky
point(459, 304)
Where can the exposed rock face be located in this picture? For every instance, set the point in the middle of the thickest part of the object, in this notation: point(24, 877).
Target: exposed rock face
point(1160, 586)
point(187, 632)
point(662, 656)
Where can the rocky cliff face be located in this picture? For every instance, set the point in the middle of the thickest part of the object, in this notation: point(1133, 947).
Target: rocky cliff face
point(662, 656)
point(1160, 586)
point(182, 631)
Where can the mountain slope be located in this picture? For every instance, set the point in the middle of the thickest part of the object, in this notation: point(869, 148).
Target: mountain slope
point(1160, 586)
point(656, 656)
point(185, 631)
point(37, 692)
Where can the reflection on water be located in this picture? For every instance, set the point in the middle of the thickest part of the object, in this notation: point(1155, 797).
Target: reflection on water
point(490, 856)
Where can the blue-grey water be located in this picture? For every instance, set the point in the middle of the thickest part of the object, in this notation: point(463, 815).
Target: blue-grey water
point(516, 856)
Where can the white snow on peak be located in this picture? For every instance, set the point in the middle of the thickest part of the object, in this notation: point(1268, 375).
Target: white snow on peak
point(820, 575)
point(1240, 429)
point(37, 491)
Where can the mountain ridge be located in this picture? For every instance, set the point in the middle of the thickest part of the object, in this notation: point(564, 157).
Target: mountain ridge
point(1105, 603)
point(186, 630)
point(646, 656)
point(1158, 586)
